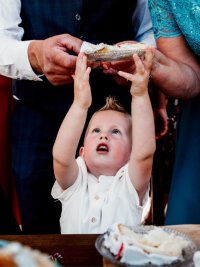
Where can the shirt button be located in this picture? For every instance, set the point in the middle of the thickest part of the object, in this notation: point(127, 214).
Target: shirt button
point(97, 197)
point(78, 17)
point(93, 220)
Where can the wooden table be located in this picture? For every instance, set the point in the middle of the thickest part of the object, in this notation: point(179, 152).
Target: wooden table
point(79, 250)
point(76, 250)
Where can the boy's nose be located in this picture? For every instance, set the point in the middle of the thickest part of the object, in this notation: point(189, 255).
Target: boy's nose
point(103, 137)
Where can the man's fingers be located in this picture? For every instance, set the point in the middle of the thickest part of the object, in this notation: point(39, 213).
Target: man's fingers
point(58, 70)
point(59, 80)
point(71, 43)
point(62, 58)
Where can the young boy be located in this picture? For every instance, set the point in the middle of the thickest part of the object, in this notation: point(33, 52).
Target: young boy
point(109, 182)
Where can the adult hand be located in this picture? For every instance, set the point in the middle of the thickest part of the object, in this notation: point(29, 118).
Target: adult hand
point(161, 122)
point(112, 68)
point(160, 113)
point(55, 57)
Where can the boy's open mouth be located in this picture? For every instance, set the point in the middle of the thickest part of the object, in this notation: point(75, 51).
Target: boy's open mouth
point(102, 148)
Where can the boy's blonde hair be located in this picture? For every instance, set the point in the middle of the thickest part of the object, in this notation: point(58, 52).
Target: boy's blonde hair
point(112, 104)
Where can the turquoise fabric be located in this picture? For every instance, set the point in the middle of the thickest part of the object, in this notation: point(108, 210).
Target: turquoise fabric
point(172, 18)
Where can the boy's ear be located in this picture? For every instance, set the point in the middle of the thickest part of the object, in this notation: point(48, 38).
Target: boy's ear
point(81, 151)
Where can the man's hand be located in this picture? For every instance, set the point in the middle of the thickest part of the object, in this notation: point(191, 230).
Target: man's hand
point(55, 57)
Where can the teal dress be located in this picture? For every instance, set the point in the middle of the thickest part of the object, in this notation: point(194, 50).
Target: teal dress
point(173, 18)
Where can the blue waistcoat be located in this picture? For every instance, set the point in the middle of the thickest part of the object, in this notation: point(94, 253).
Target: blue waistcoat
point(95, 21)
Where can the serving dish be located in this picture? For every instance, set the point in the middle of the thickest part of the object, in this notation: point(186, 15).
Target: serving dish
point(186, 258)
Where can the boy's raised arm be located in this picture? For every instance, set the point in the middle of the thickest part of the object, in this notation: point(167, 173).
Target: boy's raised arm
point(64, 150)
point(143, 129)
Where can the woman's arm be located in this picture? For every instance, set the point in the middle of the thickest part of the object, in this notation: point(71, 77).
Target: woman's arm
point(176, 70)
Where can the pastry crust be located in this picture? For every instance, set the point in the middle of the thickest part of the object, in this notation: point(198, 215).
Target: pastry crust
point(104, 52)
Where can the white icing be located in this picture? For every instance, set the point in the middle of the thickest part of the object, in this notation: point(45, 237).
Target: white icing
point(156, 246)
point(89, 48)
point(196, 259)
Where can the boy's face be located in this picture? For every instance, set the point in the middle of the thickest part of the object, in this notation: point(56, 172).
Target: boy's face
point(107, 144)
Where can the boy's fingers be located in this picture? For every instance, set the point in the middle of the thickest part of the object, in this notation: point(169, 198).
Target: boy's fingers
point(148, 58)
point(81, 64)
point(88, 70)
point(126, 75)
point(138, 63)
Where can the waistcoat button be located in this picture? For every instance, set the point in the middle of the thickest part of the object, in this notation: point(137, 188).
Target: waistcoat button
point(78, 17)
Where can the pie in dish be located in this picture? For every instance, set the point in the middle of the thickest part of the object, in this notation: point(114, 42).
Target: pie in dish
point(104, 52)
point(14, 254)
point(145, 245)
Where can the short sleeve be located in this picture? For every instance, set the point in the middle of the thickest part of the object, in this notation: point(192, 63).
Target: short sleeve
point(164, 24)
point(133, 191)
point(63, 195)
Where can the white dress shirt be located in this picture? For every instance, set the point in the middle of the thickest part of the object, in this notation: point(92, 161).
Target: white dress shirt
point(14, 61)
point(92, 205)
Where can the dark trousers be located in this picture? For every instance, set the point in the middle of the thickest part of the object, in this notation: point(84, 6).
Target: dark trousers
point(8, 223)
point(184, 197)
point(33, 134)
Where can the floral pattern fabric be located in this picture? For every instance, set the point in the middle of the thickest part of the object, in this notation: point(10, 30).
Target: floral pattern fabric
point(173, 18)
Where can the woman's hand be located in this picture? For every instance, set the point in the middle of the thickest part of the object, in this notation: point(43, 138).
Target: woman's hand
point(161, 122)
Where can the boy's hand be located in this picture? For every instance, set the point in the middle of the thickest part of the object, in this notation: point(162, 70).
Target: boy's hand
point(140, 78)
point(82, 90)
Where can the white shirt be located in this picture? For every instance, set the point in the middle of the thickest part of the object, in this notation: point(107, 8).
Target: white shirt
point(14, 61)
point(91, 205)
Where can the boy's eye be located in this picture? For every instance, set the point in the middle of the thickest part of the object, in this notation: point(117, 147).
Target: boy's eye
point(116, 131)
point(96, 130)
